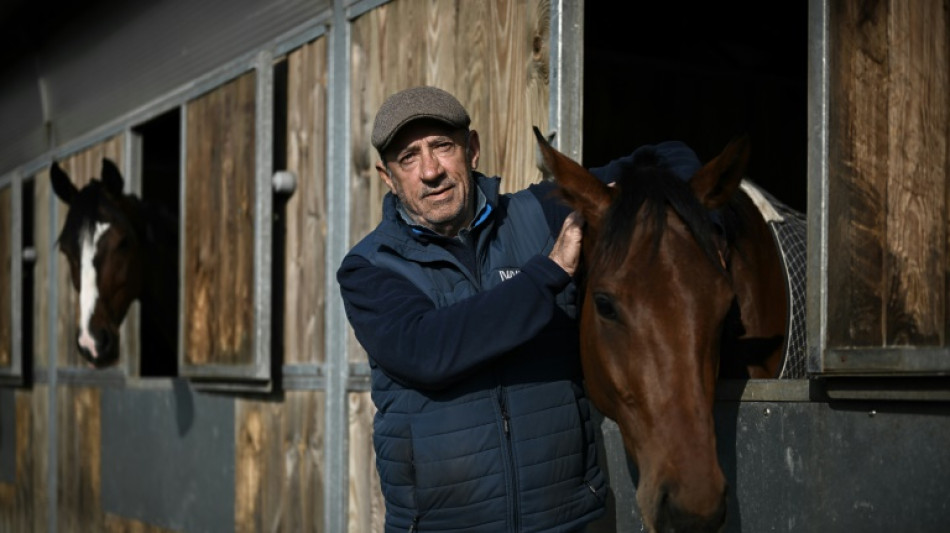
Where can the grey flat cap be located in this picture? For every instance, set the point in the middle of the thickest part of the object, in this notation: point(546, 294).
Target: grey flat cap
point(411, 104)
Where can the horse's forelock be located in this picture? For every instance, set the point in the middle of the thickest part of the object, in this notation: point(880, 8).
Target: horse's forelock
point(647, 185)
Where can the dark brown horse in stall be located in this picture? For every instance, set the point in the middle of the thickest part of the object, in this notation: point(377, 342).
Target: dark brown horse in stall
point(120, 249)
point(673, 297)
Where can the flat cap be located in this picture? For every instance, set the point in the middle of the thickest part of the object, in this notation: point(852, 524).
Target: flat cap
point(411, 104)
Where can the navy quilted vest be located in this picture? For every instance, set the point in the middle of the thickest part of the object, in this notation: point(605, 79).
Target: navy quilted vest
point(510, 448)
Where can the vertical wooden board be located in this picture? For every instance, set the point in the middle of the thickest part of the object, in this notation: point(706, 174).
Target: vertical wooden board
point(367, 511)
point(39, 452)
point(46, 253)
point(306, 217)
point(518, 88)
point(858, 168)
point(279, 470)
point(918, 91)
point(6, 286)
point(82, 167)
point(16, 499)
point(219, 225)
point(79, 505)
point(118, 524)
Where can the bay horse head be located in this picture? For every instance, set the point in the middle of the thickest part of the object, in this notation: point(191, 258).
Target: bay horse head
point(681, 284)
point(104, 242)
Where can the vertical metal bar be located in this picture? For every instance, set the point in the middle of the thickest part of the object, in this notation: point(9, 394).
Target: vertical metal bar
point(263, 220)
point(336, 438)
point(182, 224)
point(566, 98)
point(16, 276)
point(132, 170)
point(818, 95)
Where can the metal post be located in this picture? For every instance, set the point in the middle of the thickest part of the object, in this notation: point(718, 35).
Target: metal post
point(336, 437)
point(565, 114)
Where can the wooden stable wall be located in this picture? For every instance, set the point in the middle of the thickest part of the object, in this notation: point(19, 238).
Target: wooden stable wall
point(218, 237)
point(889, 174)
point(493, 55)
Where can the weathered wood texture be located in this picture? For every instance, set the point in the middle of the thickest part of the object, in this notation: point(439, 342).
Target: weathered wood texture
point(118, 524)
point(366, 507)
point(81, 167)
point(493, 56)
point(17, 499)
point(889, 173)
point(306, 210)
point(79, 487)
point(6, 296)
point(218, 240)
point(36, 478)
point(279, 470)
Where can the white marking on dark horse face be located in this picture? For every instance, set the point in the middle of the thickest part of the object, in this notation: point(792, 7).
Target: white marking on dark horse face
point(88, 288)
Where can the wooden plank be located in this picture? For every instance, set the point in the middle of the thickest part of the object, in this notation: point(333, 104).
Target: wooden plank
point(279, 470)
point(888, 174)
point(118, 524)
point(79, 506)
point(918, 89)
point(857, 172)
point(81, 167)
point(219, 225)
point(6, 285)
point(38, 475)
point(306, 210)
point(17, 498)
point(366, 508)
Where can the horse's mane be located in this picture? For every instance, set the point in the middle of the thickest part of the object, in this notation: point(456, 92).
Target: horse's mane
point(648, 185)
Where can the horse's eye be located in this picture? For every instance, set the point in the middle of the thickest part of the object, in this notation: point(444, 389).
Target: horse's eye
point(605, 306)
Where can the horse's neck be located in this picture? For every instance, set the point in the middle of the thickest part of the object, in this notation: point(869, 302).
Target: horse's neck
point(759, 282)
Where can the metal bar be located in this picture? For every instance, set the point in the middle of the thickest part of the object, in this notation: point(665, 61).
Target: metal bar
point(263, 213)
point(336, 437)
point(566, 98)
point(16, 278)
point(818, 93)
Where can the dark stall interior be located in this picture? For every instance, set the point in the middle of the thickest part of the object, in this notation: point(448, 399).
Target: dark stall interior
point(701, 73)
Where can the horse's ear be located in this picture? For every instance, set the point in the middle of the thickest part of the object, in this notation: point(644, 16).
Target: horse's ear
point(111, 177)
point(579, 188)
point(62, 185)
point(718, 180)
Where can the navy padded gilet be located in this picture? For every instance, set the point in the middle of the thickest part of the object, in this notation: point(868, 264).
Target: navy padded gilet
point(511, 447)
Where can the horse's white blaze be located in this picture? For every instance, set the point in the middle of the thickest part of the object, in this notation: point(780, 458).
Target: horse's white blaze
point(88, 290)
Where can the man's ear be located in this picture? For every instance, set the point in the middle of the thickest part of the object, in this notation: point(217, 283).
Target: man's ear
point(474, 149)
point(384, 175)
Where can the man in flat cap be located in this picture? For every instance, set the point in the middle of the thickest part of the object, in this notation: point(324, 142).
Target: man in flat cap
point(464, 302)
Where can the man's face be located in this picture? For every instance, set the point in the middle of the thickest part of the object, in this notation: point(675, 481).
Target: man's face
point(430, 169)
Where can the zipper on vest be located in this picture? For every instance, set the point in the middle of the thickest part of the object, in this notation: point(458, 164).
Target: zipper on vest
point(414, 524)
point(509, 457)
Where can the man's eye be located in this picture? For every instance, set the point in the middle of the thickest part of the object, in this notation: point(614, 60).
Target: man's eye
point(444, 148)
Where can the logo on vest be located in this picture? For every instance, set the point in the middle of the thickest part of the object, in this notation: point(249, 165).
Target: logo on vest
point(508, 273)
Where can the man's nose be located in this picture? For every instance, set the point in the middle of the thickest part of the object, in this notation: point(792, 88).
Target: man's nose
point(431, 166)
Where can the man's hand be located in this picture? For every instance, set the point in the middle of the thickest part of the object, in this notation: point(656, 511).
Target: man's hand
point(567, 248)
